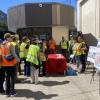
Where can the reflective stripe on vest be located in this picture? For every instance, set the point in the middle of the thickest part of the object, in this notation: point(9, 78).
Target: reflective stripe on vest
point(63, 45)
point(77, 49)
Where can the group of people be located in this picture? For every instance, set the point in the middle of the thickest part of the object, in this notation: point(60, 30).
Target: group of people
point(34, 54)
point(75, 50)
point(13, 53)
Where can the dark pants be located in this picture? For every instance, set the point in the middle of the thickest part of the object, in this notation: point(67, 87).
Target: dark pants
point(2, 78)
point(83, 62)
point(64, 52)
point(10, 79)
point(26, 67)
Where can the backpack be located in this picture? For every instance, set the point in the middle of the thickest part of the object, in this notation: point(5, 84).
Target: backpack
point(8, 54)
point(70, 72)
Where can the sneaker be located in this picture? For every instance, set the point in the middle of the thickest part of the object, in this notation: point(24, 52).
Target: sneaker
point(2, 92)
point(13, 94)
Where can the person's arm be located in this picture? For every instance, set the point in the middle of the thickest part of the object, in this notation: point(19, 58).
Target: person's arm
point(14, 53)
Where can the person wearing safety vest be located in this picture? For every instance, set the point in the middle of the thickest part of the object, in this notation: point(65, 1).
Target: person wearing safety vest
point(83, 55)
point(23, 54)
point(15, 44)
point(79, 52)
point(64, 47)
point(70, 49)
point(2, 70)
point(33, 58)
point(52, 46)
point(9, 60)
point(70, 44)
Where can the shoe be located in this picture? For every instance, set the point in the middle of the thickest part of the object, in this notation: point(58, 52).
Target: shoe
point(2, 92)
point(13, 94)
point(32, 82)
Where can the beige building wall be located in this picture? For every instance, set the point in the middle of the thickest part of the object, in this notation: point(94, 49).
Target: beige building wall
point(88, 17)
point(58, 32)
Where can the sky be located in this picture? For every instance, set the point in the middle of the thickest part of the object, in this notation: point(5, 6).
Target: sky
point(5, 4)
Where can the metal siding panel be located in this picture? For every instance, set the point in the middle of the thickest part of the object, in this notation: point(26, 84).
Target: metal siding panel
point(16, 18)
point(67, 15)
point(38, 16)
point(54, 14)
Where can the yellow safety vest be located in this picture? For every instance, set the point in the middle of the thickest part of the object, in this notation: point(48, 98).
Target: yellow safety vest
point(63, 45)
point(13, 43)
point(32, 54)
point(83, 52)
point(77, 49)
point(74, 48)
point(23, 50)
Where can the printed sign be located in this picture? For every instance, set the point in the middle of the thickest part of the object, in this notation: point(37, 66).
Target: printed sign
point(97, 58)
point(91, 54)
point(98, 44)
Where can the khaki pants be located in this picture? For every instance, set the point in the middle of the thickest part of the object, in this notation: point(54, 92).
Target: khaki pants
point(34, 74)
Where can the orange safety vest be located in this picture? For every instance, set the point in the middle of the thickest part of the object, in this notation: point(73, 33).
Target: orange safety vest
point(52, 44)
point(4, 62)
point(0, 56)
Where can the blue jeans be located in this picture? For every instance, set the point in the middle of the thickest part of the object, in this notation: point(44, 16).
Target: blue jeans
point(83, 62)
point(26, 67)
point(78, 60)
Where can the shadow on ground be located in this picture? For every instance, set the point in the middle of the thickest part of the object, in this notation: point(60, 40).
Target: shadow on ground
point(53, 83)
point(36, 95)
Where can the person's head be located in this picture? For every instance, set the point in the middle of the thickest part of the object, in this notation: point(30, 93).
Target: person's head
point(14, 38)
point(51, 38)
point(63, 38)
point(71, 37)
point(79, 39)
point(34, 41)
point(7, 37)
point(25, 39)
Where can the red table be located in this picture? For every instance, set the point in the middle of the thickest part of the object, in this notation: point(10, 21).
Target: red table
point(56, 63)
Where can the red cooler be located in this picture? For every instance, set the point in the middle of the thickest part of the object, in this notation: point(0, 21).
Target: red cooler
point(56, 64)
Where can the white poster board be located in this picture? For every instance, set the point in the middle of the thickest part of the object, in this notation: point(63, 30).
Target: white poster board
point(97, 58)
point(98, 44)
point(91, 54)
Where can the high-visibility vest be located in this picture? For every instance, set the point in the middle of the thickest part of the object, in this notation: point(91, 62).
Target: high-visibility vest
point(13, 43)
point(23, 50)
point(51, 44)
point(74, 48)
point(0, 56)
point(4, 51)
point(77, 49)
point(83, 51)
point(32, 55)
point(63, 45)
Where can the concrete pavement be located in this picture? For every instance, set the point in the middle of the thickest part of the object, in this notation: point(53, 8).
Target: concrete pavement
point(57, 88)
